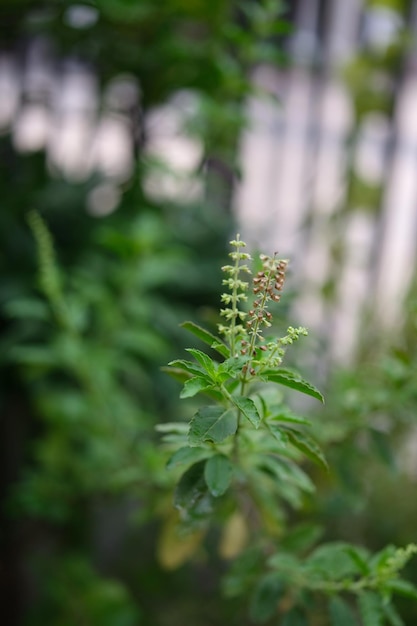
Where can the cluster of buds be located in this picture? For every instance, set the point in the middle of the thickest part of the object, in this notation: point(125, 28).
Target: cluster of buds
point(237, 289)
point(271, 278)
point(268, 284)
point(243, 330)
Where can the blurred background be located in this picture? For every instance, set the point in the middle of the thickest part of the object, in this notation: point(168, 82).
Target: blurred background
point(135, 139)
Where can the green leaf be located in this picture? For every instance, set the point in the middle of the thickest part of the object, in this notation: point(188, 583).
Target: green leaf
point(219, 347)
point(174, 432)
point(359, 556)
point(191, 487)
point(301, 538)
point(331, 561)
point(218, 474)
point(231, 367)
point(207, 337)
point(188, 455)
point(383, 449)
point(282, 470)
point(187, 366)
point(307, 446)
point(289, 480)
point(291, 379)
point(381, 559)
point(298, 476)
point(290, 418)
point(265, 598)
point(172, 427)
point(188, 391)
point(212, 423)
point(194, 385)
point(28, 308)
point(340, 612)
point(402, 588)
point(392, 615)
point(209, 366)
point(248, 408)
point(279, 433)
point(286, 563)
point(176, 373)
point(232, 385)
point(370, 609)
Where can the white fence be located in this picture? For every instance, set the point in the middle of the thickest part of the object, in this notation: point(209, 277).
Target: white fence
point(294, 186)
point(298, 159)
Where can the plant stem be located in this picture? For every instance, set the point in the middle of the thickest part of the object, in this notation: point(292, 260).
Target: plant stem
point(235, 302)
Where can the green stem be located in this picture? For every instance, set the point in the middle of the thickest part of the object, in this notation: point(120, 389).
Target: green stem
point(246, 375)
point(235, 302)
point(229, 397)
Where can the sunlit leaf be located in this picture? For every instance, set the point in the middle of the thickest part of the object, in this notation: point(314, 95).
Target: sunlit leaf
point(187, 366)
point(194, 385)
point(219, 347)
point(291, 379)
point(208, 365)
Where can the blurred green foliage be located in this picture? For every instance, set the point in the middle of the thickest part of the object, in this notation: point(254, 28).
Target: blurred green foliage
point(368, 429)
point(74, 594)
point(89, 310)
point(90, 307)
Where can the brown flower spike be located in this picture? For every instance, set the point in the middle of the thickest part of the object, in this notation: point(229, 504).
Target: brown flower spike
point(268, 284)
